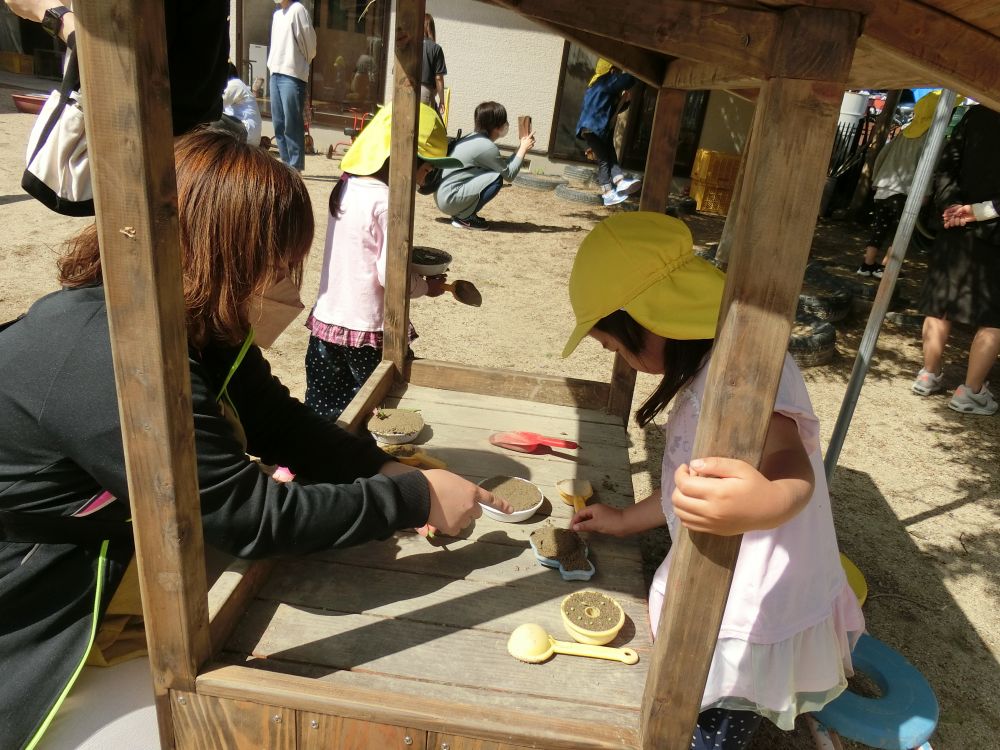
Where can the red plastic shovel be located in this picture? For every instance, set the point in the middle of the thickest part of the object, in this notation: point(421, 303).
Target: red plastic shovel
point(528, 442)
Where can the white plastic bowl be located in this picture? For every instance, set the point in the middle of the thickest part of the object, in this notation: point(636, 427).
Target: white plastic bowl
point(432, 269)
point(408, 437)
point(518, 515)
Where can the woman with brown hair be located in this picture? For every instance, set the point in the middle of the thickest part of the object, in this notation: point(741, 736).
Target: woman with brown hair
point(65, 542)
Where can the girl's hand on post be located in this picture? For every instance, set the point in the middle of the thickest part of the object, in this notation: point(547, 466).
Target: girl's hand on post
point(726, 496)
point(600, 518)
point(455, 501)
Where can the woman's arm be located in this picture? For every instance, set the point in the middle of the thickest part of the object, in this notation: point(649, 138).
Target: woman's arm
point(727, 496)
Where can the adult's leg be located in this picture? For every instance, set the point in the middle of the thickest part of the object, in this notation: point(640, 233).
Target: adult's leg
point(278, 113)
point(982, 355)
point(295, 125)
point(488, 193)
point(719, 729)
point(935, 336)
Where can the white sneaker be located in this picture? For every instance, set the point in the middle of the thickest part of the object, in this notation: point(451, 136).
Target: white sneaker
point(628, 186)
point(927, 382)
point(967, 402)
point(613, 198)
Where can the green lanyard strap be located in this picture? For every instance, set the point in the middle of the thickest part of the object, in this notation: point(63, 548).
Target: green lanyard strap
point(232, 371)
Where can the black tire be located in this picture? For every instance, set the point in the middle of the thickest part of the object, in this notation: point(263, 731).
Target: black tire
point(905, 319)
point(543, 182)
point(813, 341)
point(580, 174)
point(824, 296)
point(576, 195)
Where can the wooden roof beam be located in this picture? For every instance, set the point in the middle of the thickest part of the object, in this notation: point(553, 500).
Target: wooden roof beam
point(938, 47)
point(695, 76)
point(709, 32)
point(647, 66)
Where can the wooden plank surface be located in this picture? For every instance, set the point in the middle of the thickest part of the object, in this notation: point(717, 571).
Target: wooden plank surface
point(123, 68)
point(204, 722)
point(231, 593)
point(505, 716)
point(409, 611)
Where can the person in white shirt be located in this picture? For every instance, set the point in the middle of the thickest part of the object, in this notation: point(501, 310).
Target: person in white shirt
point(293, 46)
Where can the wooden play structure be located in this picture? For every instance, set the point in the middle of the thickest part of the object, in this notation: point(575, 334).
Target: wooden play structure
point(399, 644)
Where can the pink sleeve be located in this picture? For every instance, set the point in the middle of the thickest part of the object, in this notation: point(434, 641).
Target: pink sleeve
point(793, 402)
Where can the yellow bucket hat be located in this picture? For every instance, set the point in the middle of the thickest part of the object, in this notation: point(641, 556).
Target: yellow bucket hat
point(644, 263)
point(371, 148)
point(603, 66)
point(923, 115)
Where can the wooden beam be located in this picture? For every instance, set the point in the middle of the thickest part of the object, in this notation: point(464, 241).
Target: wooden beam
point(405, 118)
point(734, 37)
point(691, 75)
point(737, 206)
point(546, 389)
point(231, 594)
point(645, 65)
point(123, 66)
point(371, 394)
point(937, 47)
point(783, 195)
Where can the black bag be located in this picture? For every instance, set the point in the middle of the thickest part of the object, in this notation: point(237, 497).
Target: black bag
point(433, 180)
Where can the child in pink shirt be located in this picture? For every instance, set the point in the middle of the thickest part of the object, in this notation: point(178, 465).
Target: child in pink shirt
point(791, 620)
point(345, 345)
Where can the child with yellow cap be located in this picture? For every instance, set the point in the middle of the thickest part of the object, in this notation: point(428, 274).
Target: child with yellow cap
point(345, 345)
point(785, 643)
point(892, 177)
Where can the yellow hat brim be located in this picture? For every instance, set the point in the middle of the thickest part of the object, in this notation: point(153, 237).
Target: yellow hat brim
point(372, 146)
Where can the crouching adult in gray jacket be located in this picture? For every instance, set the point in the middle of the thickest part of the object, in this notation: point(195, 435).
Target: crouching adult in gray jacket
point(465, 190)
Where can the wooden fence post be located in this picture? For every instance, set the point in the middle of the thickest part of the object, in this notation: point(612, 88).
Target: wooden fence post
point(123, 67)
point(786, 170)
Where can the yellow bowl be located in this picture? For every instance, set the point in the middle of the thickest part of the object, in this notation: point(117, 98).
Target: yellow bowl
point(593, 637)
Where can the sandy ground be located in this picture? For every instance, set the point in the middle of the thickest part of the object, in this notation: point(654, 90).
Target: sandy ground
point(916, 494)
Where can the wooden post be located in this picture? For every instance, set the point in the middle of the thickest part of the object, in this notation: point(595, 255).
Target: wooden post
point(881, 132)
point(655, 189)
point(123, 67)
point(405, 119)
point(784, 180)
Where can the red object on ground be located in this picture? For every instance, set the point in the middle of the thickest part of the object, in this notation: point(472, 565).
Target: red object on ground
point(528, 442)
point(30, 104)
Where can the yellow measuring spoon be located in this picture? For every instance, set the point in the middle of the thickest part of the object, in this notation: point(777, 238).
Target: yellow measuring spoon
point(412, 456)
point(575, 492)
point(530, 643)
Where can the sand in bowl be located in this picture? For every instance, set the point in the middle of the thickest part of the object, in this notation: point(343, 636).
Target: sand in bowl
point(395, 422)
point(562, 545)
point(592, 610)
point(519, 493)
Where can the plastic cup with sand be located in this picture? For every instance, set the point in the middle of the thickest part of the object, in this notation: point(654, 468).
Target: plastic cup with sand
point(395, 426)
point(523, 497)
point(592, 617)
point(563, 550)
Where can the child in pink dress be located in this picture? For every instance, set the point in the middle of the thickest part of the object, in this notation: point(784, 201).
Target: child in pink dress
point(345, 345)
point(791, 620)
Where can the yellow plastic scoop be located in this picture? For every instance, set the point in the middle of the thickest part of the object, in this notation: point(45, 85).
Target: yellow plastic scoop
point(411, 455)
point(530, 643)
point(575, 492)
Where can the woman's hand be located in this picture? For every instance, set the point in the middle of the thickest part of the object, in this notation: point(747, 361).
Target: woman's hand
point(527, 143)
point(600, 518)
point(957, 216)
point(435, 285)
point(455, 501)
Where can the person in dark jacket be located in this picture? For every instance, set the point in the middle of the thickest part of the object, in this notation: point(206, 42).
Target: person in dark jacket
point(246, 227)
point(963, 276)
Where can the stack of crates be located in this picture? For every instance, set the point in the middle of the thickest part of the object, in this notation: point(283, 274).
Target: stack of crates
point(713, 179)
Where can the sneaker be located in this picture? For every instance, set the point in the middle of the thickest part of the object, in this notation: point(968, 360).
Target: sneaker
point(967, 402)
point(878, 271)
point(628, 186)
point(927, 382)
point(613, 198)
point(869, 269)
point(473, 222)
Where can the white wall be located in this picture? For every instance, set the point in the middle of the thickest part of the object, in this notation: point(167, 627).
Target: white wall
point(493, 54)
point(727, 123)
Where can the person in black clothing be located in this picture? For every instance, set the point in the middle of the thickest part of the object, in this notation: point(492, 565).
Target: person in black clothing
point(64, 503)
point(963, 274)
point(434, 69)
